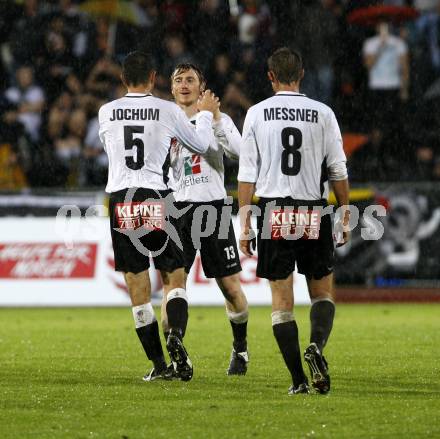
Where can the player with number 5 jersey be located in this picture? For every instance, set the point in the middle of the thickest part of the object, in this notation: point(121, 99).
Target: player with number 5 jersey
point(137, 132)
point(291, 147)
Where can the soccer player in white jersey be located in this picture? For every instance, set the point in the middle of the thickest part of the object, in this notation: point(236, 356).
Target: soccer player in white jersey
point(291, 146)
point(199, 186)
point(137, 132)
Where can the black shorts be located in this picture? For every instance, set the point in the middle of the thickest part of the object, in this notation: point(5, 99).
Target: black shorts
point(219, 257)
point(277, 257)
point(133, 254)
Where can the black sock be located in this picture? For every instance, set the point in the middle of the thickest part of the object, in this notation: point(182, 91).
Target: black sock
point(286, 335)
point(150, 340)
point(322, 314)
point(177, 312)
point(239, 331)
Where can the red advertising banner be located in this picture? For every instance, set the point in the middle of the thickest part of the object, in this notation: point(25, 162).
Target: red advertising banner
point(47, 260)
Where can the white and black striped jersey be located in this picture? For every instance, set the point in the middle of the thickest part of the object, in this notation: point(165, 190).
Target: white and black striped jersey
point(201, 178)
point(288, 143)
point(137, 131)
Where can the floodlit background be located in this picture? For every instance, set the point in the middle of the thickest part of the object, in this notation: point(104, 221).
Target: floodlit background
point(60, 61)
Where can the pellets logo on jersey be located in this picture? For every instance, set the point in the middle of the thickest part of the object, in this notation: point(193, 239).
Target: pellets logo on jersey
point(192, 165)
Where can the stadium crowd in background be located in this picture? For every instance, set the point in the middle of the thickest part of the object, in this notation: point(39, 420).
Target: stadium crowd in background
point(59, 64)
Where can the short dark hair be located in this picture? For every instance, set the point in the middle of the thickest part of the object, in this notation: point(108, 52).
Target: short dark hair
point(184, 67)
point(286, 64)
point(136, 68)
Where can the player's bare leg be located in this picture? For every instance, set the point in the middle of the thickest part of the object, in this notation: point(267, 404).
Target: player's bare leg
point(322, 314)
point(164, 317)
point(166, 330)
point(147, 328)
point(285, 331)
point(176, 318)
point(237, 312)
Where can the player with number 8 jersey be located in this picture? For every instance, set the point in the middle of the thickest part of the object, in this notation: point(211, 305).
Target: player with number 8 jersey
point(298, 139)
point(291, 147)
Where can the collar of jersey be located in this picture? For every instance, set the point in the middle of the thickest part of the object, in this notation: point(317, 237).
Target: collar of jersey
point(137, 95)
point(289, 93)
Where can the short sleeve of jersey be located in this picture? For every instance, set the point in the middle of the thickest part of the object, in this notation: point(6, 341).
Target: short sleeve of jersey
point(102, 123)
point(249, 154)
point(333, 141)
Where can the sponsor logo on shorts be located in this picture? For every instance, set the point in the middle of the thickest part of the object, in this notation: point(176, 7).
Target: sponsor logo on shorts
point(232, 265)
point(150, 215)
point(295, 224)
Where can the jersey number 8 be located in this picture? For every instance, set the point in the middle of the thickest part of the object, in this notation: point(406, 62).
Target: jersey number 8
point(291, 139)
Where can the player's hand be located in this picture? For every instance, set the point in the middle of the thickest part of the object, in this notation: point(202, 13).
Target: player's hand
point(346, 235)
point(208, 102)
point(248, 242)
point(342, 230)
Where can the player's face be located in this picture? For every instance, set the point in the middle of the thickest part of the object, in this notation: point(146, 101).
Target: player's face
point(186, 87)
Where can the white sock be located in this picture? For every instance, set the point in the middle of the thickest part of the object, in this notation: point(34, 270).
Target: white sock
point(143, 315)
point(237, 317)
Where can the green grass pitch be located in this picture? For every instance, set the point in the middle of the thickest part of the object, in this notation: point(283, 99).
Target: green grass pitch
point(76, 373)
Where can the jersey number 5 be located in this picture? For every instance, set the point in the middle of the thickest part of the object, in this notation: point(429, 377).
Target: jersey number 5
point(291, 139)
point(130, 142)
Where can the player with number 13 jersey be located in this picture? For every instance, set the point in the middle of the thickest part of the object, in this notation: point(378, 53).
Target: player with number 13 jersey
point(199, 188)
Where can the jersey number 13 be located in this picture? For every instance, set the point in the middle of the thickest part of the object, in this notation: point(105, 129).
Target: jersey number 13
point(291, 139)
